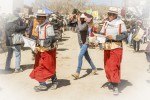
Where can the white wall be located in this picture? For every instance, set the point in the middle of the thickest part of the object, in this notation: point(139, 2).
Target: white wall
point(18, 4)
point(8, 6)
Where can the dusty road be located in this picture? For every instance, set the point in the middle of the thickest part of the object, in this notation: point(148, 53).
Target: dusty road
point(135, 80)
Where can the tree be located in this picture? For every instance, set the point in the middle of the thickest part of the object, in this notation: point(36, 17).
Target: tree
point(65, 6)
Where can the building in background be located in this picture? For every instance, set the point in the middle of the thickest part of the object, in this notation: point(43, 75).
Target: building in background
point(27, 10)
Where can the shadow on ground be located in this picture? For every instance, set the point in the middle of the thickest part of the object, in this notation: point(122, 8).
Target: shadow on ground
point(66, 37)
point(3, 71)
point(60, 44)
point(63, 40)
point(61, 83)
point(89, 72)
point(0, 89)
point(24, 67)
point(62, 49)
point(122, 85)
point(141, 51)
point(28, 66)
point(25, 48)
point(148, 81)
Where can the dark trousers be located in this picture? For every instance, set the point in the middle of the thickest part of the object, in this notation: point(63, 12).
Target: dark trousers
point(54, 80)
point(136, 45)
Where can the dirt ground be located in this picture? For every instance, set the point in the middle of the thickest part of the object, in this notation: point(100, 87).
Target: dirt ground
point(135, 84)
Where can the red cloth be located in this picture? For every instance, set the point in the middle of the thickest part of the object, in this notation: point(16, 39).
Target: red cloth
point(94, 29)
point(112, 61)
point(92, 34)
point(45, 66)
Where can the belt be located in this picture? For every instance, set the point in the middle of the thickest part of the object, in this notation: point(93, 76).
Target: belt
point(113, 41)
point(112, 45)
point(43, 49)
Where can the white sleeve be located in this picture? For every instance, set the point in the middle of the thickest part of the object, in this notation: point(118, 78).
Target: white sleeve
point(102, 30)
point(123, 28)
point(103, 27)
point(50, 30)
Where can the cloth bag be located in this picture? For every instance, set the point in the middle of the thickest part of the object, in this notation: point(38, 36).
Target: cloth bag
point(92, 39)
point(112, 45)
point(138, 35)
point(17, 38)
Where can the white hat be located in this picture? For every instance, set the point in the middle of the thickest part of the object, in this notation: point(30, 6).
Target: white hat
point(41, 12)
point(32, 16)
point(83, 16)
point(113, 10)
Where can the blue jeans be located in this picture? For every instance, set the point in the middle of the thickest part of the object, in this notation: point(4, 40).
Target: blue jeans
point(17, 51)
point(130, 39)
point(84, 52)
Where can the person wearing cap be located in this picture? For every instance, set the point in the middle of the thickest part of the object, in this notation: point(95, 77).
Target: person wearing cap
point(45, 60)
point(31, 30)
point(13, 26)
point(83, 35)
point(115, 31)
point(73, 20)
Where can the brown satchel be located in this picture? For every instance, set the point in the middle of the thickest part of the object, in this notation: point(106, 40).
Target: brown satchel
point(112, 45)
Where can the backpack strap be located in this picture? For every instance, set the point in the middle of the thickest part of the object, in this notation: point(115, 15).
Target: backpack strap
point(44, 31)
point(120, 28)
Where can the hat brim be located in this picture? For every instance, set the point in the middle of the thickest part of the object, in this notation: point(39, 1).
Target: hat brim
point(113, 12)
point(42, 15)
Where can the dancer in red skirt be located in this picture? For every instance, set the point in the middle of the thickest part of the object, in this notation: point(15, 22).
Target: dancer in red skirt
point(45, 60)
point(115, 31)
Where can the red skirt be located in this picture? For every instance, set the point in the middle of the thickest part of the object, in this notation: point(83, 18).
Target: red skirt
point(112, 61)
point(45, 66)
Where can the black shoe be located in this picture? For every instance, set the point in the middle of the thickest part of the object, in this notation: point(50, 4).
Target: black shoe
point(40, 88)
point(115, 91)
point(54, 86)
point(110, 86)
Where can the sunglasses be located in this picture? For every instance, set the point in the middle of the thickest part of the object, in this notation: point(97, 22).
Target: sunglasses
point(40, 18)
point(111, 14)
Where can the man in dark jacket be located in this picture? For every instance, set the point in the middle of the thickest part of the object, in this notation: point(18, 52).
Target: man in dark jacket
point(136, 28)
point(82, 30)
point(13, 26)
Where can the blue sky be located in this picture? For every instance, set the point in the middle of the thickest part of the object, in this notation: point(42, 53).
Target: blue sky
point(102, 2)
